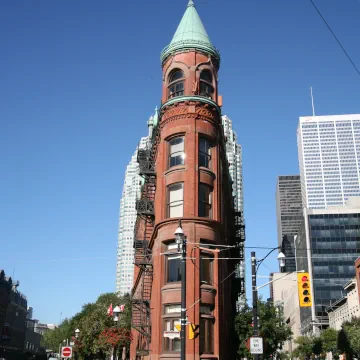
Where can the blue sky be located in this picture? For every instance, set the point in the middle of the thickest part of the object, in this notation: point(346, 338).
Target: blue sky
point(78, 81)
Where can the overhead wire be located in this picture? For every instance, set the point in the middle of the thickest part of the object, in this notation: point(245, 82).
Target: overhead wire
point(335, 37)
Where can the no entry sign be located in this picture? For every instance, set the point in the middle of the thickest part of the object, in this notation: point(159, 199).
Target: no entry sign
point(66, 352)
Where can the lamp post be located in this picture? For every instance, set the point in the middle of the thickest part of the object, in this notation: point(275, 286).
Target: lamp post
point(116, 313)
point(181, 243)
point(77, 334)
point(254, 268)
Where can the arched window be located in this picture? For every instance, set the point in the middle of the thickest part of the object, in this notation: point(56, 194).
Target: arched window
point(176, 83)
point(206, 84)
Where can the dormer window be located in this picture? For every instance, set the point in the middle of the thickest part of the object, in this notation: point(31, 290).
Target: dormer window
point(206, 84)
point(176, 83)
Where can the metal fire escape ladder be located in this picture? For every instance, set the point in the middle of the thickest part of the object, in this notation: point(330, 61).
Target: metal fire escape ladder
point(143, 255)
point(239, 240)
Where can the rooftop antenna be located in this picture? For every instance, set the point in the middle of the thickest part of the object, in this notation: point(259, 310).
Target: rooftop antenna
point(312, 101)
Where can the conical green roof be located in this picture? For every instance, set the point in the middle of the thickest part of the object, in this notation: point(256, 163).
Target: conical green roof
point(190, 34)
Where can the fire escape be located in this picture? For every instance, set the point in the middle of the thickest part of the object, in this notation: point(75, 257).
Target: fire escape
point(239, 240)
point(143, 257)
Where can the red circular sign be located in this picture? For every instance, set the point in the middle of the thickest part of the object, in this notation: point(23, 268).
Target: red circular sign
point(66, 351)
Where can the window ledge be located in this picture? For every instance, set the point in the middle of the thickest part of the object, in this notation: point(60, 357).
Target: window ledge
point(207, 287)
point(175, 168)
point(207, 170)
point(175, 355)
point(176, 285)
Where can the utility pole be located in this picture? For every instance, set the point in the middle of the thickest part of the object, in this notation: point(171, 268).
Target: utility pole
point(255, 298)
point(183, 299)
point(181, 243)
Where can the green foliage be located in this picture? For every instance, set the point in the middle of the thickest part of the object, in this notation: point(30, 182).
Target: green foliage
point(272, 328)
point(347, 340)
point(304, 347)
point(329, 341)
point(53, 338)
point(96, 328)
point(352, 331)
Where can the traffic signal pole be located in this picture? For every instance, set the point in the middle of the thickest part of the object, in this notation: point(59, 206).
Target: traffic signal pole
point(183, 299)
point(254, 298)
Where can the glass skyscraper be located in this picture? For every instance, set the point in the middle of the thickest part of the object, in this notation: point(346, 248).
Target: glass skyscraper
point(329, 151)
point(327, 246)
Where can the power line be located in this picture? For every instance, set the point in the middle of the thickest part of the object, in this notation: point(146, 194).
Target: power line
point(335, 37)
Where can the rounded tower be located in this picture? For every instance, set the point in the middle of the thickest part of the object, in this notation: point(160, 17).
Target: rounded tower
point(192, 185)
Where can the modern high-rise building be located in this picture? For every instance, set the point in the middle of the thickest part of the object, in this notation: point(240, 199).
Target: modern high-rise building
point(187, 180)
point(329, 151)
point(289, 213)
point(234, 157)
point(327, 246)
point(131, 192)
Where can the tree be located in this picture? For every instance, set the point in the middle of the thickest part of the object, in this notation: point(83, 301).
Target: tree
point(98, 334)
point(343, 343)
point(52, 339)
point(329, 341)
point(272, 328)
point(352, 330)
point(304, 347)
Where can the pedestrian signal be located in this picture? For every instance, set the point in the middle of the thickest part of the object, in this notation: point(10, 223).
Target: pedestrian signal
point(304, 289)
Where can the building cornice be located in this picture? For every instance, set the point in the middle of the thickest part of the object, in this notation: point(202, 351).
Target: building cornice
point(190, 45)
point(181, 99)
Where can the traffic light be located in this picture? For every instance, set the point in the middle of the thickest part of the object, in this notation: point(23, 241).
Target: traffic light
point(304, 288)
point(192, 331)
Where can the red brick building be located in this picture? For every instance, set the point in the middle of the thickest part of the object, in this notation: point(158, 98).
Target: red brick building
point(186, 177)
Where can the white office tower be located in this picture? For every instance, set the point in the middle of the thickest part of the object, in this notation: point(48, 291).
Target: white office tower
point(329, 151)
point(234, 156)
point(127, 218)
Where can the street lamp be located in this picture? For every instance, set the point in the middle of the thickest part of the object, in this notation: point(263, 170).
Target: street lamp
point(281, 257)
point(77, 334)
point(255, 264)
point(116, 312)
point(181, 243)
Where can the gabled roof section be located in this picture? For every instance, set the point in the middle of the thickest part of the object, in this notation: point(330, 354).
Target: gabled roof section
point(190, 34)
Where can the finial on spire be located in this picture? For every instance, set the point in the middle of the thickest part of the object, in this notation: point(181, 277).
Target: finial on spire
point(191, 3)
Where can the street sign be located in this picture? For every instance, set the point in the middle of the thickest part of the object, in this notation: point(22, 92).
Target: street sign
point(66, 352)
point(256, 345)
point(171, 334)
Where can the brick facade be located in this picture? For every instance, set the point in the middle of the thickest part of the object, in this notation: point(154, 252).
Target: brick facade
point(192, 117)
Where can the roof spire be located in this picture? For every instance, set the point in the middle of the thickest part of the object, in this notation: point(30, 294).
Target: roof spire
point(190, 34)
